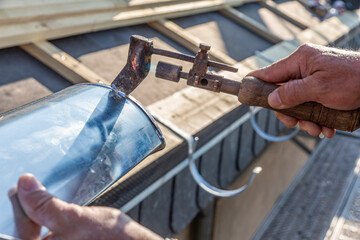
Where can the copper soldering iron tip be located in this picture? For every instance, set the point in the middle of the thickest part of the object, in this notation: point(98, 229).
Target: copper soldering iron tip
point(137, 65)
point(123, 82)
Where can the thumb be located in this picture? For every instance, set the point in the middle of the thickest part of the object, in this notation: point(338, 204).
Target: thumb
point(292, 93)
point(40, 206)
point(25, 228)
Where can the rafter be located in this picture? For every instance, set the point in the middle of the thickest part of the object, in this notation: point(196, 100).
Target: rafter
point(62, 63)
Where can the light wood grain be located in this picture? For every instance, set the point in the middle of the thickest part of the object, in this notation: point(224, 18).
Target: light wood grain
point(21, 4)
point(30, 12)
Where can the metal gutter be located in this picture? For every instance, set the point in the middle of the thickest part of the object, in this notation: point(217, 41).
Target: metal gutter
point(173, 172)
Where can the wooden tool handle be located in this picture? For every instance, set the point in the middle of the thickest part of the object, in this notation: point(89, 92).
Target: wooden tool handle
point(254, 92)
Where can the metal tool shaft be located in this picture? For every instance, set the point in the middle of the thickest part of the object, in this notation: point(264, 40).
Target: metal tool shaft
point(139, 61)
point(210, 82)
point(188, 58)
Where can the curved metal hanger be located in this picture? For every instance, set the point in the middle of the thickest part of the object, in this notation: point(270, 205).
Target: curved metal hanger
point(191, 142)
point(267, 136)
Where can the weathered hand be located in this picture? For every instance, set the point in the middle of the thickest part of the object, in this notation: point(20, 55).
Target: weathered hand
point(325, 75)
point(34, 207)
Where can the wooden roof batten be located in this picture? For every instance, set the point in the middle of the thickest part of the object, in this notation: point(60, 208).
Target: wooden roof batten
point(62, 63)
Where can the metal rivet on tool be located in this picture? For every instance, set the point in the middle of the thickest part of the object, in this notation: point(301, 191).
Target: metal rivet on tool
point(204, 47)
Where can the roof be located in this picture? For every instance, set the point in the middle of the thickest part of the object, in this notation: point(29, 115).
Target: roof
point(91, 45)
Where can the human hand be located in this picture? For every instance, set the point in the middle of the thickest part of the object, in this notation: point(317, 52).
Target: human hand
point(34, 207)
point(325, 75)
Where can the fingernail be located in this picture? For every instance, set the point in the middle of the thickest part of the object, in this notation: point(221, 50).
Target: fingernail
point(28, 183)
point(274, 100)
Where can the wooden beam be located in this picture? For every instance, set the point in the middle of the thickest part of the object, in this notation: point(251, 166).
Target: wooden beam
point(272, 6)
point(62, 63)
point(188, 40)
point(6, 4)
point(41, 12)
point(22, 33)
point(12, 4)
point(58, 9)
point(250, 24)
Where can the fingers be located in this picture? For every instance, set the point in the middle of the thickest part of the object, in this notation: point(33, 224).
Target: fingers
point(287, 120)
point(328, 132)
point(293, 93)
point(309, 127)
point(315, 130)
point(69, 221)
point(40, 206)
point(25, 227)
